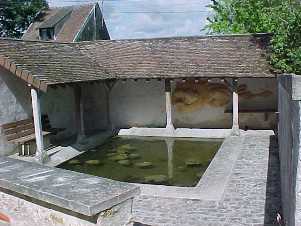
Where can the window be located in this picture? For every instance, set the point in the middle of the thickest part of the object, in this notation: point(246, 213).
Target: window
point(46, 34)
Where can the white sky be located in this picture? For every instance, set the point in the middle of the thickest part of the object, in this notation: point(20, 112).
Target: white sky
point(122, 24)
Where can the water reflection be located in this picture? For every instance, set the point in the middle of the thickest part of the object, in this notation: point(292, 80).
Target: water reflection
point(166, 161)
point(170, 145)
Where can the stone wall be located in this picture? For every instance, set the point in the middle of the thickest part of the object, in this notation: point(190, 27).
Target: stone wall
point(20, 212)
point(289, 106)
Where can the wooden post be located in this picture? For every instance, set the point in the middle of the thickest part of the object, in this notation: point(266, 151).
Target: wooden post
point(108, 88)
point(41, 154)
point(79, 112)
point(169, 124)
point(235, 122)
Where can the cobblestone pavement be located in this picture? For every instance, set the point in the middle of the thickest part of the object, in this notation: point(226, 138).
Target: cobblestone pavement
point(251, 195)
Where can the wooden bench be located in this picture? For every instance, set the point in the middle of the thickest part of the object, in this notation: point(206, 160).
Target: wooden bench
point(22, 133)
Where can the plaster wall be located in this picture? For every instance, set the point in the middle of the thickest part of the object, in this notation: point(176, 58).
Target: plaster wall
point(95, 107)
point(59, 104)
point(138, 104)
point(15, 104)
point(289, 147)
point(195, 105)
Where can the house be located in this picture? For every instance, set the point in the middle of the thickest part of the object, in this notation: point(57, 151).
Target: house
point(68, 24)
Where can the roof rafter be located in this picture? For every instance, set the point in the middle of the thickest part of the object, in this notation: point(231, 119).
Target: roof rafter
point(25, 75)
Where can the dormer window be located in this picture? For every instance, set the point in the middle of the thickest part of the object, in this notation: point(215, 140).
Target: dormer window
point(47, 34)
point(50, 28)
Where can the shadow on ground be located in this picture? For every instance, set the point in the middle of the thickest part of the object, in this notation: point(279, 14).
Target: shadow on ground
point(273, 187)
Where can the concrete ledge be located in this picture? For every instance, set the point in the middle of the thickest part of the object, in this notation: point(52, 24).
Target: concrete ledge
point(81, 193)
point(212, 184)
point(180, 132)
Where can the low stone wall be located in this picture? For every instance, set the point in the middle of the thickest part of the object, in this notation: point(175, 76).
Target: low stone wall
point(289, 106)
point(20, 212)
point(37, 195)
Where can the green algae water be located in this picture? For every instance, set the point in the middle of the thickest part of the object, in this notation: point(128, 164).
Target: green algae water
point(165, 161)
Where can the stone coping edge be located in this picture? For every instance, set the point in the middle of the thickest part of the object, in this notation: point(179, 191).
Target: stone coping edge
point(81, 193)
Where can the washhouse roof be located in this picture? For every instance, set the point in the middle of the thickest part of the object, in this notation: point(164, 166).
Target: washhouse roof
point(43, 64)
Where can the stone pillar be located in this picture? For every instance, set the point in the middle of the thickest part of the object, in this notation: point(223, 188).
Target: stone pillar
point(79, 112)
point(170, 144)
point(235, 122)
point(169, 124)
point(41, 155)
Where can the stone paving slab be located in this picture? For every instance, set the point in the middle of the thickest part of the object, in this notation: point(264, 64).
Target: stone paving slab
point(81, 193)
point(251, 196)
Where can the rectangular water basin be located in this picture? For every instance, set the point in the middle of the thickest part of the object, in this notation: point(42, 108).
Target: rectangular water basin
point(165, 161)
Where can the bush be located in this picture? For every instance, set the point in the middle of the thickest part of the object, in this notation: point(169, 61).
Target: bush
point(282, 18)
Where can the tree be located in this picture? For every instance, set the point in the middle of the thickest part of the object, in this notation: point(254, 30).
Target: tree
point(16, 16)
point(282, 18)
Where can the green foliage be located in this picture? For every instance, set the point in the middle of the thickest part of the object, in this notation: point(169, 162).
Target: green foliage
point(16, 16)
point(282, 18)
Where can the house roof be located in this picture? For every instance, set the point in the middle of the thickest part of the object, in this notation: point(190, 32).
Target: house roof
point(49, 63)
point(56, 18)
point(72, 26)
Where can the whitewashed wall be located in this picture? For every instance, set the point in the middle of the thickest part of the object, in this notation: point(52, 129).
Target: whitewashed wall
point(138, 104)
point(95, 105)
point(59, 105)
point(195, 105)
point(15, 104)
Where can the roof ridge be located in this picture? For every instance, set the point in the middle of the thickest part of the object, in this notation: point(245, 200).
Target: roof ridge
point(185, 37)
point(145, 39)
point(38, 41)
point(77, 6)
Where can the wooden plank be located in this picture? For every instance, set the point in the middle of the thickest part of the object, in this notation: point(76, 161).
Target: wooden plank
point(12, 137)
point(19, 134)
point(13, 68)
point(18, 129)
point(14, 124)
point(18, 71)
point(27, 138)
point(25, 132)
point(25, 126)
point(2, 60)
